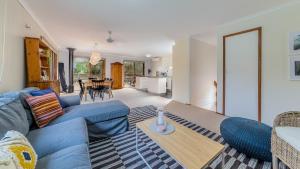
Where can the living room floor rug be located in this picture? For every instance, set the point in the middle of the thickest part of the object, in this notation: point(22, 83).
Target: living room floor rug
point(120, 152)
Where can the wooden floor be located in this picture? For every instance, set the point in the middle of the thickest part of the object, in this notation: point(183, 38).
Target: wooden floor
point(136, 98)
point(131, 97)
point(199, 116)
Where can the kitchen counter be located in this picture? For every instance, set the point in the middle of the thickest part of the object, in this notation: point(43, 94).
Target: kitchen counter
point(153, 84)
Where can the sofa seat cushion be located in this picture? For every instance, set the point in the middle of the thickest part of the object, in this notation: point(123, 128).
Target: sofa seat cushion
point(290, 135)
point(95, 112)
point(53, 138)
point(74, 157)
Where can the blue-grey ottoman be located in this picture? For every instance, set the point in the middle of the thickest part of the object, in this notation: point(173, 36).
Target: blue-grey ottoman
point(248, 136)
point(103, 119)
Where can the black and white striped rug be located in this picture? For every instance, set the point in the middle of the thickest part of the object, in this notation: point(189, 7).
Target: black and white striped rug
point(120, 152)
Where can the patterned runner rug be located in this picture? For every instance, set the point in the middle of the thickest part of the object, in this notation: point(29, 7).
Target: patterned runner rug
point(120, 152)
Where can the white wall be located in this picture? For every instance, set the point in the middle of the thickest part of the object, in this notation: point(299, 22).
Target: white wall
point(181, 71)
point(14, 61)
point(194, 70)
point(163, 64)
point(279, 94)
point(203, 71)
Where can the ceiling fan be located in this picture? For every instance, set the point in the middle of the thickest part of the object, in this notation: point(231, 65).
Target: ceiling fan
point(109, 39)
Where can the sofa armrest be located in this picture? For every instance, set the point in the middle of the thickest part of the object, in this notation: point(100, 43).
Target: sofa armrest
point(291, 118)
point(68, 101)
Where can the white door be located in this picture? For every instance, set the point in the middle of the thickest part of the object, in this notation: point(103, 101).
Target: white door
point(242, 76)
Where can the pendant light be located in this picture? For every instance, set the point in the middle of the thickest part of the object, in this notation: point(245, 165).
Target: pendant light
point(95, 56)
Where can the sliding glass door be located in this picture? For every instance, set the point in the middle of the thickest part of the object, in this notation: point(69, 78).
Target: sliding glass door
point(84, 70)
point(80, 68)
point(98, 70)
point(139, 68)
point(133, 69)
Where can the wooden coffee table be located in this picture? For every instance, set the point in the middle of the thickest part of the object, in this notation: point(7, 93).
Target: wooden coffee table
point(189, 148)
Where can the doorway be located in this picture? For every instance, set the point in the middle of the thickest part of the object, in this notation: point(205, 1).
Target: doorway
point(131, 70)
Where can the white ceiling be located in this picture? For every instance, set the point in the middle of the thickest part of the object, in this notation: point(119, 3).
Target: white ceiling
point(139, 26)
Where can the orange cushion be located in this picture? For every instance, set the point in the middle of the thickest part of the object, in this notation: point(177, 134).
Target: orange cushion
point(44, 108)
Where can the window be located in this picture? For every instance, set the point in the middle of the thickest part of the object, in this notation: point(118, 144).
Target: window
point(80, 68)
point(139, 68)
point(133, 69)
point(129, 68)
point(83, 69)
point(98, 70)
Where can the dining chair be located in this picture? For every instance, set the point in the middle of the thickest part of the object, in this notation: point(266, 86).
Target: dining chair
point(108, 89)
point(98, 88)
point(81, 84)
point(92, 78)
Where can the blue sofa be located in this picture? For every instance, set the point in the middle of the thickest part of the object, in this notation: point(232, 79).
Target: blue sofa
point(63, 144)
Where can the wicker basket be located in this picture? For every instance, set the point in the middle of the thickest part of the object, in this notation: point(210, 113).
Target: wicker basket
point(281, 149)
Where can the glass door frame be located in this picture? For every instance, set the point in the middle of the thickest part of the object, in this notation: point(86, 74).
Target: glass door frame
point(132, 77)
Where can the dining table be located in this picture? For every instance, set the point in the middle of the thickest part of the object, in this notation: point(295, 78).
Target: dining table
point(88, 84)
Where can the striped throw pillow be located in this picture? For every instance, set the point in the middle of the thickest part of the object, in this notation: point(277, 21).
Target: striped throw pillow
point(44, 108)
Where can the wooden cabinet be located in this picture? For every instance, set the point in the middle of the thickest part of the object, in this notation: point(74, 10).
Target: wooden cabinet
point(45, 84)
point(117, 75)
point(41, 65)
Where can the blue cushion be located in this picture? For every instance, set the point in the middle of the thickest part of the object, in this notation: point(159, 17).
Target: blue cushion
point(47, 91)
point(27, 108)
point(53, 138)
point(41, 92)
point(95, 112)
point(29, 89)
point(248, 137)
point(70, 100)
point(12, 115)
point(68, 158)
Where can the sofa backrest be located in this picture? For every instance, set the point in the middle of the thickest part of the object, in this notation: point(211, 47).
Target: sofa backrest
point(12, 114)
point(15, 114)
